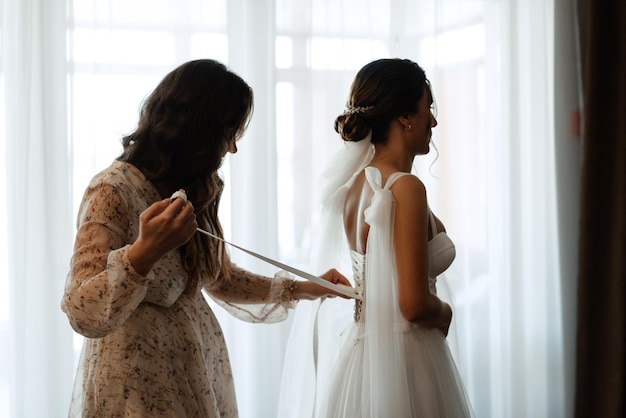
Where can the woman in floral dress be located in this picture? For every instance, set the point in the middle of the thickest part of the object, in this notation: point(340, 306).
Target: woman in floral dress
point(154, 347)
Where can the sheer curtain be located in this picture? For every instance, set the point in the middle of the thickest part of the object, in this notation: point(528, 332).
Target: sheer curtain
point(87, 65)
point(34, 376)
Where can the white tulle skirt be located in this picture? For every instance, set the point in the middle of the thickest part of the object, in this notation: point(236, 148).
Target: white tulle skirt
point(433, 381)
point(382, 366)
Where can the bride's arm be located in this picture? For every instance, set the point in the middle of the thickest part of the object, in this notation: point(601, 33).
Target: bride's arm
point(417, 303)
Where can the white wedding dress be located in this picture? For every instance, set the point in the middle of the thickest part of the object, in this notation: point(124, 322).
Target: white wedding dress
point(386, 366)
point(380, 365)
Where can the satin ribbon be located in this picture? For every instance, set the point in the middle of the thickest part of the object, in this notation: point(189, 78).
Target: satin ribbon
point(339, 288)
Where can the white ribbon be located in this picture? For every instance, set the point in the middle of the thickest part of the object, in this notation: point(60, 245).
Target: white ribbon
point(339, 288)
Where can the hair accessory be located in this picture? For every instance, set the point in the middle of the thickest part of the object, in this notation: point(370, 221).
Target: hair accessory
point(356, 110)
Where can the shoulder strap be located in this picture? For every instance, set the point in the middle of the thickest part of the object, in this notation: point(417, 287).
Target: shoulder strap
point(395, 176)
point(392, 179)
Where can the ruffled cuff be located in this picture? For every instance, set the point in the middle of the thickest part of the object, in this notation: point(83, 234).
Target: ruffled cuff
point(120, 257)
point(281, 290)
point(275, 306)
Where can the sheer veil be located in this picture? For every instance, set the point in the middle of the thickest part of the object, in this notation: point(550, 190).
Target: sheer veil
point(385, 382)
point(315, 332)
point(376, 375)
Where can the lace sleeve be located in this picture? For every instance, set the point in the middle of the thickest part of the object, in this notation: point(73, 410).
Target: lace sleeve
point(102, 288)
point(254, 298)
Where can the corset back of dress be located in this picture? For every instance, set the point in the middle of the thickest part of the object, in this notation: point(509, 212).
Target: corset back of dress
point(358, 271)
point(441, 253)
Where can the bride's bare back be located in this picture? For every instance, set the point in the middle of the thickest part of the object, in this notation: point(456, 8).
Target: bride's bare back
point(358, 199)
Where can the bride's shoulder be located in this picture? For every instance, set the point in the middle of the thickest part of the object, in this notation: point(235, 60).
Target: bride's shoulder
point(408, 187)
point(404, 179)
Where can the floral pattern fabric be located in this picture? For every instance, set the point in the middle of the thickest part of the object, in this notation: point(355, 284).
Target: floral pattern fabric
point(152, 349)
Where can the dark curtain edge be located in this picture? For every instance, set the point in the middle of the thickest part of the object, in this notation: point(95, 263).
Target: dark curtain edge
point(602, 246)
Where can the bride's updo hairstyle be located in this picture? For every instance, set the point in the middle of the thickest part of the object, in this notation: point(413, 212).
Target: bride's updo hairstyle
point(381, 91)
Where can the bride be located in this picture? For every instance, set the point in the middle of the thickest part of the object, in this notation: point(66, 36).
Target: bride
point(393, 359)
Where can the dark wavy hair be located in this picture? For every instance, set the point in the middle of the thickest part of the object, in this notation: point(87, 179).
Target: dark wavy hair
point(185, 128)
point(382, 90)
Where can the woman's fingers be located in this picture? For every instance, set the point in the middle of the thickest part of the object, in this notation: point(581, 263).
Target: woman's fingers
point(335, 277)
point(155, 209)
point(167, 224)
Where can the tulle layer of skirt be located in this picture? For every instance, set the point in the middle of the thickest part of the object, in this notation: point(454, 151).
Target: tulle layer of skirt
point(433, 381)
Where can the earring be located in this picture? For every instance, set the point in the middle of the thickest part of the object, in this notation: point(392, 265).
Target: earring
point(407, 128)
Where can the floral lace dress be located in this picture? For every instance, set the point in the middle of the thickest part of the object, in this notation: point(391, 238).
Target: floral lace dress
point(152, 349)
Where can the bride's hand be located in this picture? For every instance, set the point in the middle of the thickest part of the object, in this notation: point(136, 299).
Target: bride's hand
point(311, 291)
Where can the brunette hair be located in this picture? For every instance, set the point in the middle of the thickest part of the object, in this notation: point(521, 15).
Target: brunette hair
point(381, 91)
point(186, 126)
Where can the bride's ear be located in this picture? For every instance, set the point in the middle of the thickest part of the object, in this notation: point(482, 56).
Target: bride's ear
point(405, 121)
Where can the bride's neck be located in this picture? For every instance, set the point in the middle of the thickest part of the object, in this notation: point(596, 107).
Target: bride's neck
point(394, 158)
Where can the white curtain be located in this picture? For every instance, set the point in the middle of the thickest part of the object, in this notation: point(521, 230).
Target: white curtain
point(74, 74)
point(38, 203)
point(36, 370)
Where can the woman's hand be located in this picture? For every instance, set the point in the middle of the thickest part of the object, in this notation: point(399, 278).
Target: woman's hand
point(163, 227)
point(311, 291)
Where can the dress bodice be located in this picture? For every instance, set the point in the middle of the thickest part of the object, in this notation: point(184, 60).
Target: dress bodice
point(441, 253)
